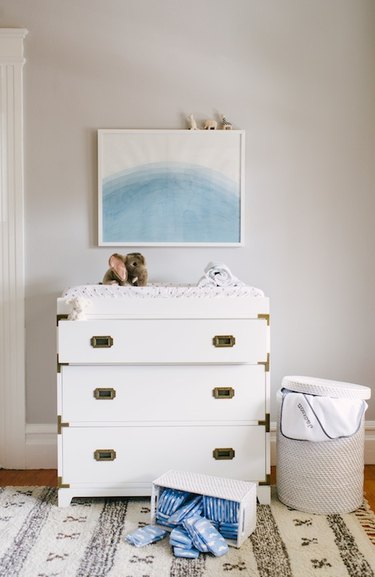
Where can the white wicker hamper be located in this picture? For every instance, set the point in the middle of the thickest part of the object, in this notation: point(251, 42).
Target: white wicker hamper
point(321, 477)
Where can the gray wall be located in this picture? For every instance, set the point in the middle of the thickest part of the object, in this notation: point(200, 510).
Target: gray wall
point(299, 77)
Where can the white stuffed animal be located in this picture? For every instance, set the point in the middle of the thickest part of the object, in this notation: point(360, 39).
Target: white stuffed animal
point(79, 307)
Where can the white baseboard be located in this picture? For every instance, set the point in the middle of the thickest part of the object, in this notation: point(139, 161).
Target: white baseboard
point(41, 445)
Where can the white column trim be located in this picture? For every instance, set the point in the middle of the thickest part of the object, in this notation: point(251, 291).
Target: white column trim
point(12, 277)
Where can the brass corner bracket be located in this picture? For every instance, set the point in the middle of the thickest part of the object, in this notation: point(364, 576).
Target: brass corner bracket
point(267, 481)
point(60, 424)
point(266, 422)
point(59, 365)
point(264, 316)
point(266, 363)
point(61, 485)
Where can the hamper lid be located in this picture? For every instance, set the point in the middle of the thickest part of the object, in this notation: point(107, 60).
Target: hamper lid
point(325, 387)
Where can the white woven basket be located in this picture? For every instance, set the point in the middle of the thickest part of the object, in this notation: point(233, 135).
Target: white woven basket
point(243, 492)
point(326, 477)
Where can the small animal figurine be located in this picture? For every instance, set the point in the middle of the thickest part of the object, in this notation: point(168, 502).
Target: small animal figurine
point(126, 269)
point(192, 123)
point(210, 125)
point(226, 125)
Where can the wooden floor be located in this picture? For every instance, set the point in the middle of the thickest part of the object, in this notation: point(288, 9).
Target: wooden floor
point(48, 478)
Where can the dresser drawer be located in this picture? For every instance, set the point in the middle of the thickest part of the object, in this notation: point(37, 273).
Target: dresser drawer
point(140, 454)
point(163, 393)
point(163, 341)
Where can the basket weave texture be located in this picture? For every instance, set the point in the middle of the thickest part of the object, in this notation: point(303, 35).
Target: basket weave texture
point(243, 492)
point(324, 477)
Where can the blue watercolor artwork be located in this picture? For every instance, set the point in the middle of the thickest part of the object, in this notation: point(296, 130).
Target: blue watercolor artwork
point(170, 202)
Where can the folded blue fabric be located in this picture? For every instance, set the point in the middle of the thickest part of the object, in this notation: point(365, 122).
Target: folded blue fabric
point(146, 535)
point(228, 530)
point(205, 537)
point(186, 553)
point(188, 509)
point(164, 520)
point(229, 525)
point(199, 523)
point(189, 525)
point(222, 510)
point(214, 541)
point(179, 537)
point(171, 499)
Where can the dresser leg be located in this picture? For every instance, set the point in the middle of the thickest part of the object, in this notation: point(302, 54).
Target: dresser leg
point(64, 497)
point(264, 494)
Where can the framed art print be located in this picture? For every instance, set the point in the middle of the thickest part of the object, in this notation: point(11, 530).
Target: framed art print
point(171, 187)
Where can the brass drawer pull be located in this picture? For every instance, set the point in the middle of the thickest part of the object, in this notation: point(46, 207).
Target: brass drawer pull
point(104, 394)
point(101, 342)
point(223, 392)
point(104, 455)
point(223, 454)
point(224, 341)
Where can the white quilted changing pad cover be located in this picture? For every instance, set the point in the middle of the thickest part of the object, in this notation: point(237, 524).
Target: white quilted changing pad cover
point(86, 301)
point(159, 291)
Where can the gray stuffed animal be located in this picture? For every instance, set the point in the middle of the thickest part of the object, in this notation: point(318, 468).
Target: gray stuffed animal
point(126, 269)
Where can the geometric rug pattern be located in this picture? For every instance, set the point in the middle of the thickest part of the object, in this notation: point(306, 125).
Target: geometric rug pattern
point(86, 539)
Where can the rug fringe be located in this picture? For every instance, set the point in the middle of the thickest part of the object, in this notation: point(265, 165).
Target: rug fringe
point(366, 517)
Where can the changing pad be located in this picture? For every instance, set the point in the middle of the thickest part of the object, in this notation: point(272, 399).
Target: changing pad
point(89, 302)
point(159, 291)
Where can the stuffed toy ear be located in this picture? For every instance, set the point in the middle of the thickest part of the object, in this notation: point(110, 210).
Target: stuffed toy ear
point(116, 262)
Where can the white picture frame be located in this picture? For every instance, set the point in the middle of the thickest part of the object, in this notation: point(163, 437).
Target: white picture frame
point(171, 187)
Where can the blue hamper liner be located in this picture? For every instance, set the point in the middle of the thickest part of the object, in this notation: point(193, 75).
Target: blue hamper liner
point(320, 453)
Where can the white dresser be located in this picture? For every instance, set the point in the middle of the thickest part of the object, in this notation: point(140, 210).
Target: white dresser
point(151, 382)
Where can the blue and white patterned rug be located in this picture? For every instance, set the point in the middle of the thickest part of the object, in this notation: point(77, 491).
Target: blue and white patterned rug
point(86, 539)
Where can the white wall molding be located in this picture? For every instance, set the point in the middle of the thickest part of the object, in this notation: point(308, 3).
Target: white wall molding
point(370, 443)
point(12, 279)
point(41, 445)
